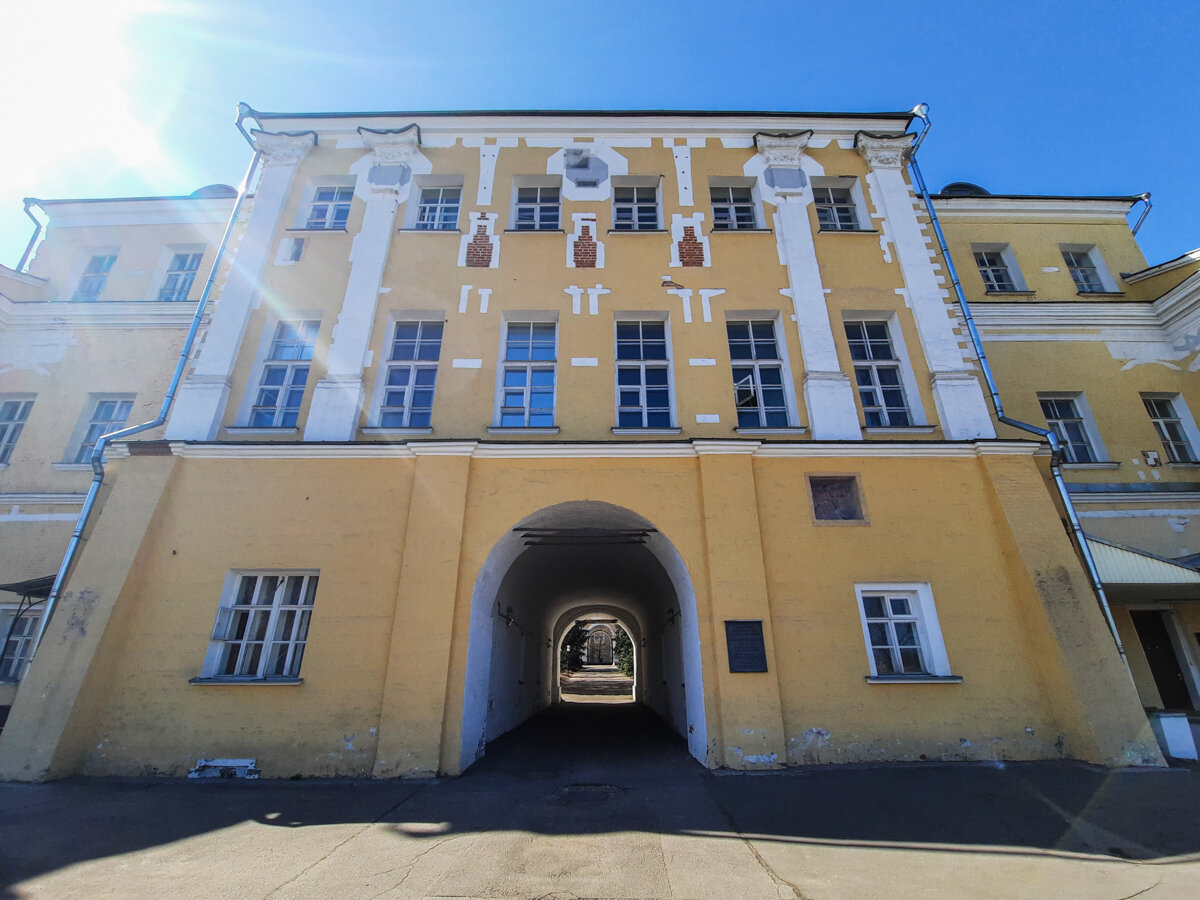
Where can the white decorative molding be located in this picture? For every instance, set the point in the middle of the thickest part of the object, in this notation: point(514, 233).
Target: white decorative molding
point(708, 419)
point(702, 361)
point(706, 296)
point(783, 149)
point(882, 152)
point(581, 221)
point(393, 147)
point(475, 220)
point(281, 148)
point(594, 298)
point(684, 294)
point(460, 363)
point(683, 172)
point(57, 314)
point(696, 222)
point(587, 362)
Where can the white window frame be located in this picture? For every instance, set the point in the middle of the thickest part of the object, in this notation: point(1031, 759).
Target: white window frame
point(164, 272)
point(1087, 423)
point(422, 183)
point(88, 423)
point(857, 202)
point(785, 365)
point(99, 279)
point(386, 364)
point(309, 200)
point(1008, 261)
point(1186, 423)
point(908, 376)
point(11, 428)
point(929, 630)
point(667, 364)
point(636, 183)
point(541, 182)
point(755, 203)
point(262, 359)
point(504, 365)
point(226, 620)
point(13, 665)
point(1103, 276)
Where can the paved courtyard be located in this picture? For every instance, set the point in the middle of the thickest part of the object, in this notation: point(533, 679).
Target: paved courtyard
point(602, 801)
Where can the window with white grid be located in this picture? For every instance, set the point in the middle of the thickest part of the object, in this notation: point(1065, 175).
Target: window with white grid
point(95, 277)
point(877, 375)
point(635, 208)
point(108, 414)
point(18, 633)
point(262, 626)
point(758, 372)
point(643, 375)
point(536, 209)
point(411, 374)
point(901, 630)
point(181, 272)
point(438, 209)
point(1066, 420)
point(284, 374)
point(994, 271)
point(1171, 429)
point(836, 209)
point(14, 411)
point(1084, 271)
point(330, 208)
point(527, 374)
point(733, 207)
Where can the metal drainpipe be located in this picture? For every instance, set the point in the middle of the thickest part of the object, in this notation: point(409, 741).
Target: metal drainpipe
point(1145, 198)
point(921, 111)
point(37, 231)
point(180, 366)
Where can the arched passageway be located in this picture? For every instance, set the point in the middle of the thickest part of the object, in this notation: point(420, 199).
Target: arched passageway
point(580, 561)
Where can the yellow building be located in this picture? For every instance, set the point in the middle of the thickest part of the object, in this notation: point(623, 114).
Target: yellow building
point(465, 379)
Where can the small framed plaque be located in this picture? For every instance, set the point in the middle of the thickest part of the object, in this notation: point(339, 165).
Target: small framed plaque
point(747, 651)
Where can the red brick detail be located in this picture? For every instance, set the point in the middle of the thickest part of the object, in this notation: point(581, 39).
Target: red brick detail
point(585, 249)
point(479, 251)
point(691, 251)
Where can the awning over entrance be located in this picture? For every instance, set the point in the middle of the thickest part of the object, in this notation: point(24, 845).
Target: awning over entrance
point(1132, 574)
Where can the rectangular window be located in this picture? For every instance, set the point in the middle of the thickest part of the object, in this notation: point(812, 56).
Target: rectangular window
point(757, 374)
point(180, 274)
point(411, 373)
point(536, 209)
point(262, 627)
point(877, 375)
point(284, 374)
point(733, 208)
point(1083, 270)
point(528, 375)
point(108, 414)
point(836, 209)
point(1170, 427)
point(643, 375)
point(994, 271)
point(1065, 420)
point(901, 630)
point(95, 277)
point(330, 208)
point(14, 411)
point(635, 208)
point(18, 634)
point(438, 209)
point(835, 498)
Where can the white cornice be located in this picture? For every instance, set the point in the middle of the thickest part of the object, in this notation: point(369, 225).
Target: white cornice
point(1034, 209)
point(1121, 498)
point(22, 277)
point(613, 450)
point(44, 314)
point(45, 499)
point(97, 213)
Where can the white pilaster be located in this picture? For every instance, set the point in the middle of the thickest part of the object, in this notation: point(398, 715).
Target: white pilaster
point(338, 396)
point(961, 406)
point(200, 404)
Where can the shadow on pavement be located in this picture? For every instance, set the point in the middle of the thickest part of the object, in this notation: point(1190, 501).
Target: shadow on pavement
point(586, 769)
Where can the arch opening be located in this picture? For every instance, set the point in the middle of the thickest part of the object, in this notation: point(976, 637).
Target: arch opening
point(580, 562)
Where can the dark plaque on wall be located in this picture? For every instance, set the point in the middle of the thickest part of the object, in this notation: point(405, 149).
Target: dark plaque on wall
point(747, 652)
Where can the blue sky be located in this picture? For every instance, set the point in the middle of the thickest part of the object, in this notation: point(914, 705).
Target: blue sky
point(132, 97)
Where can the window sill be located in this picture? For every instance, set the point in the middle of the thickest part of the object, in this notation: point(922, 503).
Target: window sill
point(638, 231)
point(1099, 293)
point(847, 231)
point(913, 679)
point(260, 429)
point(1013, 293)
point(397, 432)
point(900, 429)
point(534, 231)
point(621, 432)
point(1169, 465)
point(1104, 464)
point(316, 230)
point(521, 429)
point(71, 467)
point(275, 681)
point(430, 230)
point(755, 432)
point(742, 231)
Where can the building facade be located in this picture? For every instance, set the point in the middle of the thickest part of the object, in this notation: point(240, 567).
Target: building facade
point(464, 379)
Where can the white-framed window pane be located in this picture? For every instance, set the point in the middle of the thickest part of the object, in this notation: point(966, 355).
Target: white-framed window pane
point(438, 209)
point(1083, 271)
point(95, 277)
point(893, 631)
point(537, 209)
point(733, 208)
point(284, 375)
point(836, 210)
point(643, 376)
point(330, 208)
point(18, 633)
point(107, 416)
point(1062, 415)
point(181, 274)
point(994, 271)
point(1170, 429)
point(635, 208)
point(757, 367)
point(411, 375)
point(13, 414)
point(528, 375)
point(877, 375)
point(263, 628)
